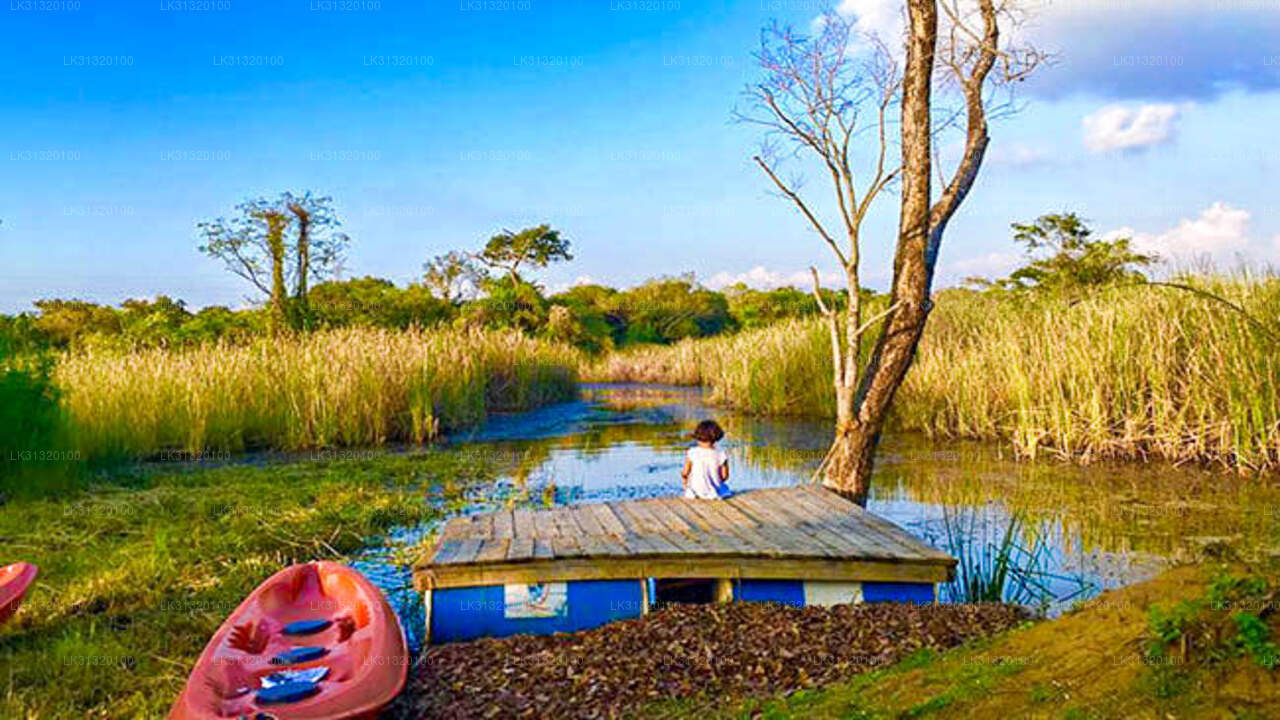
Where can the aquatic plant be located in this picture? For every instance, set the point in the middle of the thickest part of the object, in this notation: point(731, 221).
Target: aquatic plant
point(996, 566)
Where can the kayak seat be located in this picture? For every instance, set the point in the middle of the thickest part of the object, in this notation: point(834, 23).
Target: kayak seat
point(286, 693)
point(305, 653)
point(306, 627)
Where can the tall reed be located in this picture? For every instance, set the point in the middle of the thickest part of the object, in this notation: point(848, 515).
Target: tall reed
point(335, 388)
point(1131, 372)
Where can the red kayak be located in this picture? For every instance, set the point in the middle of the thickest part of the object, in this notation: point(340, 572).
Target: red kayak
point(14, 581)
point(314, 641)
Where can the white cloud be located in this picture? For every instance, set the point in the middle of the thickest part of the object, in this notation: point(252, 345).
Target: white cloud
point(566, 286)
point(1154, 49)
point(1019, 155)
point(1135, 49)
point(884, 19)
point(1118, 127)
point(764, 278)
point(1220, 232)
point(993, 264)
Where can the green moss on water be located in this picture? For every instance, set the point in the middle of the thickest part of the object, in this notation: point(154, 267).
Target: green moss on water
point(138, 572)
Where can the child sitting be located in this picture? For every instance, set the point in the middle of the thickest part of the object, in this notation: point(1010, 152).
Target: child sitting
point(706, 469)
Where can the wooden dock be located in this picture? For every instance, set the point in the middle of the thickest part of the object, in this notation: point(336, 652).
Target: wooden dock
point(796, 532)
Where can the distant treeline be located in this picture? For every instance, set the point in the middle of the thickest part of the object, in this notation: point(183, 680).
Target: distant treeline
point(591, 317)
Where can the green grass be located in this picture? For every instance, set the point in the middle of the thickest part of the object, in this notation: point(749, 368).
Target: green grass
point(136, 575)
point(356, 387)
point(1134, 373)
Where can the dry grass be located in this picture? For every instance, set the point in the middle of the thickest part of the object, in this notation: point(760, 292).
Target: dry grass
point(1129, 373)
point(343, 387)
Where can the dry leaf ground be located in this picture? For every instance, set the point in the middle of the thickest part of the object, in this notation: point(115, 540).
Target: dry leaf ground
point(736, 650)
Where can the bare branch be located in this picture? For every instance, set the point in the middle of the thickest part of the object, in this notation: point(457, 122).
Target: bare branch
point(795, 198)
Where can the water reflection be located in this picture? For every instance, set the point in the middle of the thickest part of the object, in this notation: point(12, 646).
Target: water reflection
point(1102, 526)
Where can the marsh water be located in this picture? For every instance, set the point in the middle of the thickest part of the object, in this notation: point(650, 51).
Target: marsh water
point(1080, 529)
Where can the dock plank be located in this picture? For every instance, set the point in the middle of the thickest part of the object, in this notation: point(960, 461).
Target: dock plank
point(504, 524)
point(850, 520)
point(791, 539)
point(544, 525)
point(523, 519)
point(643, 532)
point(493, 549)
point(521, 548)
point(848, 527)
point(888, 535)
point(710, 541)
point(802, 531)
point(673, 533)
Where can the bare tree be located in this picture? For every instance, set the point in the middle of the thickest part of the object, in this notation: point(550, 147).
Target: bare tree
point(823, 97)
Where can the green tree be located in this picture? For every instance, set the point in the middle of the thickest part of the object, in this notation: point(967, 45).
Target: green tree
point(1065, 259)
point(582, 316)
point(537, 246)
point(753, 308)
point(154, 322)
point(665, 310)
point(215, 322)
point(65, 322)
point(375, 302)
point(508, 303)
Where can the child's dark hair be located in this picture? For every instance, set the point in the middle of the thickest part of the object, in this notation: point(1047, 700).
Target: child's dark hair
point(708, 431)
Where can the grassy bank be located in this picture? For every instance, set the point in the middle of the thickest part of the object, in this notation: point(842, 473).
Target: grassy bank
point(354, 387)
point(1126, 373)
point(136, 576)
point(1105, 660)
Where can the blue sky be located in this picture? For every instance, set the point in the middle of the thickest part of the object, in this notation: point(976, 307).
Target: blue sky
point(435, 124)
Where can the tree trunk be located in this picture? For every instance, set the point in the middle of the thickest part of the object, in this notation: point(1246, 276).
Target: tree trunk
point(858, 428)
point(275, 245)
point(303, 313)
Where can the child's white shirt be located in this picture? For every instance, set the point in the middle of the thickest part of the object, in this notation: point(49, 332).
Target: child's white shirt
point(704, 473)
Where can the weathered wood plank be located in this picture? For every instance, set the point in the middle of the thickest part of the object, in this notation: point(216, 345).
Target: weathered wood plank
point(718, 527)
point(504, 524)
point(659, 532)
point(467, 549)
point(841, 519)
point(847, 527)
point(793, 540)
point(521, 548)
point(567, 546)
point(892, 537)
point(456, 528)
point(523, 518)
point(592, 535)
point(618, 531)
point(544, 525)
point(641, 532)
point(493, 550)
point(565, 523)
point(701, 531)
point(585, 516)
point(446, 551)
point(609, 519)
point(542, 549)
